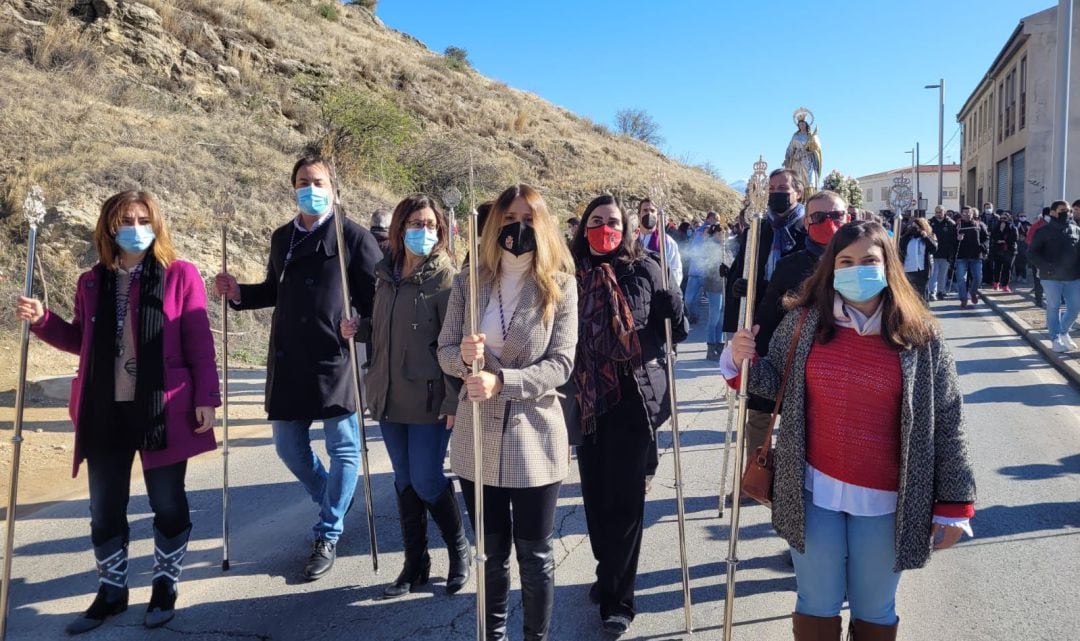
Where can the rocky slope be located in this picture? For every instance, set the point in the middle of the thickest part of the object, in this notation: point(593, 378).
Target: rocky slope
point(206, 103)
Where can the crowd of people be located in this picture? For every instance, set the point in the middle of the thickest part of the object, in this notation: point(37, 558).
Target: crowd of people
point(570, 357)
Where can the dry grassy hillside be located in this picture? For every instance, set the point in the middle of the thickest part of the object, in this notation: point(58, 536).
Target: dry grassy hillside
point(207, 102)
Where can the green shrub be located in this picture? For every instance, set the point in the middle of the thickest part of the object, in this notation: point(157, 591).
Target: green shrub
point(456, 58)
point(368, 134)
point(329, 11)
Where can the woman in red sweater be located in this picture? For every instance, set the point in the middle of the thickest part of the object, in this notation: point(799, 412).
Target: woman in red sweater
point(871, 464)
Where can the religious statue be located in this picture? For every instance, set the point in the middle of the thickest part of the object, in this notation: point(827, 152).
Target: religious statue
point(804, 152)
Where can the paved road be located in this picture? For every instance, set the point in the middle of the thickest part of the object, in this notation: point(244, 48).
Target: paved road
point(1016, 581)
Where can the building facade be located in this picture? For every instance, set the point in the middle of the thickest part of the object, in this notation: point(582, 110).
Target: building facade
point(876, 187)
point(1008, 122)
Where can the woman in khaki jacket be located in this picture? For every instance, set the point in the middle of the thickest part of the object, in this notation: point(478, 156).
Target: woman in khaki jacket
point(406, 390)
point(528, 333)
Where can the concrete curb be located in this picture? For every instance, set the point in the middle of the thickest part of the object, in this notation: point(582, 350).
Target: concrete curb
point(1067, 367)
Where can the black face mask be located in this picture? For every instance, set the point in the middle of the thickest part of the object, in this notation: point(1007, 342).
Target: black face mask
point(517, 238)
point(780, 201)
point(648, 221)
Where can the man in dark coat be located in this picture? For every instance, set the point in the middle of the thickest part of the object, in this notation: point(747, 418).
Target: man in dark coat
point(308, 375)
point(782, 233)
point(945, 232)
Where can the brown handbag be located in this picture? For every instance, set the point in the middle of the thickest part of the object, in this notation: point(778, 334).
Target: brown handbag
point(757, 480)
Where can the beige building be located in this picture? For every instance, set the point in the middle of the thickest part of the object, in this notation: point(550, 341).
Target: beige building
point(1008, 121)
point(876, 187)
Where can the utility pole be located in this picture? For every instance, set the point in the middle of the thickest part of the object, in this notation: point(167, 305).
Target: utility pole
point(940, 86)
point(1061, 111)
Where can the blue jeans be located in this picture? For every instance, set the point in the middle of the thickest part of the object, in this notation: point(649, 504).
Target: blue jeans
point(694, 286)
point(417, 453)
point(333, 490)
point(847, 556)
point(1060, 320)
point(939, 276)
point(714, 330)
point(963, 265)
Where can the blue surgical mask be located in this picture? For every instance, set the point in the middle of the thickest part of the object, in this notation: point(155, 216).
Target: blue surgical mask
point(313, 201)
point(421, 241)
point(860, 283)
point(135, 238)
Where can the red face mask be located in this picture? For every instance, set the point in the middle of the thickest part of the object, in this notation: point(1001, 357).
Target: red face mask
point(603, 239)
point(822, 233)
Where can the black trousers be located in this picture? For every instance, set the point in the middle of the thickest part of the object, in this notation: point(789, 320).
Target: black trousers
point(613, 464)
point(1003, 266)
point(526, 513)
point(1037, 290)
point(108, 467)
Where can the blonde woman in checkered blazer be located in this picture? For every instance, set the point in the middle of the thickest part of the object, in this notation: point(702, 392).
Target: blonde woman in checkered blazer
point(528, 334)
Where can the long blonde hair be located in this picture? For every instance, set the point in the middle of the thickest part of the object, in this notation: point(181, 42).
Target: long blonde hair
point(551, 256)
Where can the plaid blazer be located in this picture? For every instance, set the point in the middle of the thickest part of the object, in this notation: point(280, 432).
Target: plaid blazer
point(524, 434)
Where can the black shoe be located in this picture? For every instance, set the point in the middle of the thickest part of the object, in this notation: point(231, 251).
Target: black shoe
point(109, 602)
point(616, 624)
point(412, 515)
point(322, 557)
point(162, 607)
point(447, 516)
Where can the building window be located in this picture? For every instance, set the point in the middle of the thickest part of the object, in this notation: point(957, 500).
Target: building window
point(868, 195)
point(1018, 182)
point(1023, 92)
point(1010, 103)
point(950, 192)
point(885, 194)
point(1000, 111)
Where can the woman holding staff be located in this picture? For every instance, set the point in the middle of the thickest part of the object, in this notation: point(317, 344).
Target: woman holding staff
point(405, 387)
point(147, 383)
point(526, 344)
point(622, 388)
point(872, 470)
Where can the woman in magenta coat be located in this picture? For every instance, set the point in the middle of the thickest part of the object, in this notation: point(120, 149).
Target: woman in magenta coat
point(147, 383)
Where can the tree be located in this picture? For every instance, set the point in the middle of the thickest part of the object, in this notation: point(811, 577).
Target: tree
point(456, 58)
point(638, 124)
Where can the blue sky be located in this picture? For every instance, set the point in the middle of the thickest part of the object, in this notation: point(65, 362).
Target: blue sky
point(722, 78)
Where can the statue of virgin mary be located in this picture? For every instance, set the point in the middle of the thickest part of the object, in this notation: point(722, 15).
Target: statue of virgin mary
point(804, 150)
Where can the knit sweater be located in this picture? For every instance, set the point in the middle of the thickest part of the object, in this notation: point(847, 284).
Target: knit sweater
point(852, 419)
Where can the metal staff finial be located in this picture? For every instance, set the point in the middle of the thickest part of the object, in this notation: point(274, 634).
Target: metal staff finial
point(34, 207)
point(757, 192)
point(34, 212)
point(451, 197)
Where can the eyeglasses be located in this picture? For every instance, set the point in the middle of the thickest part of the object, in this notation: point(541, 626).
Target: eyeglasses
point(819, 217)
point(420, 224)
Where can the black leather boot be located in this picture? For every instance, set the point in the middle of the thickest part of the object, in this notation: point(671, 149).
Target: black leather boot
point(536, 560)
point(112, 596)
point(497, 584)
point(413, 517)
point(168, 563)
point(447, 515)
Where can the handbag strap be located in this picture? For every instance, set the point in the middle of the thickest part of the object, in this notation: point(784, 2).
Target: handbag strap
point(783, 381)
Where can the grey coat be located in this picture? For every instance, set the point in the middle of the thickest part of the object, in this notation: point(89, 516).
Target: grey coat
point(934, 463)
point(405, 383)
point(525, 441)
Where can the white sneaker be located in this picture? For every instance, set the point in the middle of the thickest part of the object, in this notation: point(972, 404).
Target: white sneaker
point(1059, 346)
point(1068, 341)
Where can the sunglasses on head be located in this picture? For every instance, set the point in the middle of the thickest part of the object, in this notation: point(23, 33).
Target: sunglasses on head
point(819, 217)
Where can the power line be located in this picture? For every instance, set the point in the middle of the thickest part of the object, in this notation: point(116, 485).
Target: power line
point(945, 146)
